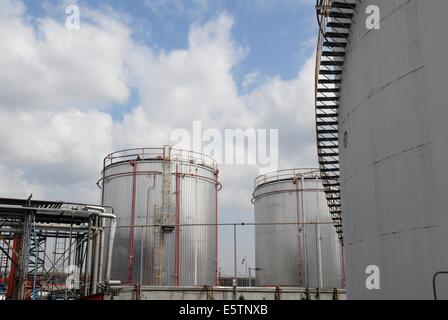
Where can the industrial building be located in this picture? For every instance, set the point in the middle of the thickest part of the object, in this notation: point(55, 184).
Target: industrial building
point(381, 118)
point(53, 250)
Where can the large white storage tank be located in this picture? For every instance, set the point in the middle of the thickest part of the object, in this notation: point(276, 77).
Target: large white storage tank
point(393, 150)
point(287, 252)
point(153, 191)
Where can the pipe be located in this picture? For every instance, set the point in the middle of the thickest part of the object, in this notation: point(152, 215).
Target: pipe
point(53, 226)
point(113, 227)
point(100, 264)
point(96, 255)
point(235, 285)
point(216, 229)
point(178, 228)
point(69, 256)
point(147, 236)
point(141, 257)
point(299, 233)
point(88, 263)
point(318, 244)
point(133, 163)
point(7, 206)
point(342, 268)
point(305, 251)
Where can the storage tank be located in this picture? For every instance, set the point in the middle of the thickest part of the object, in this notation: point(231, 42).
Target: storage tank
point(295, 241)
point(162, 198)
point(391, 126)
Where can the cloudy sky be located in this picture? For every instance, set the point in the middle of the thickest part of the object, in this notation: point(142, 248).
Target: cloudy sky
point(135, 71)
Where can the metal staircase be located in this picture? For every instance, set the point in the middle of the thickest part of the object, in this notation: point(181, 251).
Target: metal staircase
point(335, 20)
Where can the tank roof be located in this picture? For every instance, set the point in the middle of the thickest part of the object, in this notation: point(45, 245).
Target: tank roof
point(287, 174)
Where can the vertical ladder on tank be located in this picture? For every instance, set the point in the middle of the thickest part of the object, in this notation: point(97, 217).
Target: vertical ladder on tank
point(335, 20)
point(164, 221)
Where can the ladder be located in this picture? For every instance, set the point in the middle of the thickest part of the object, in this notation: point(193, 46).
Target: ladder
point(164, 221)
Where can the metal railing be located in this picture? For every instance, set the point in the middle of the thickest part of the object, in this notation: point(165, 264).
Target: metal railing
point(177, 155)
point(335, 20)
point(284, 175)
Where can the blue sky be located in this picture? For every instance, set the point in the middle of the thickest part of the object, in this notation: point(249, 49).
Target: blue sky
point(277, 35)
point(73, 97)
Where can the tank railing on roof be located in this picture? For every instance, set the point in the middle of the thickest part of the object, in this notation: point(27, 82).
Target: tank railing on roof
point(286, 174)
point(158, 154)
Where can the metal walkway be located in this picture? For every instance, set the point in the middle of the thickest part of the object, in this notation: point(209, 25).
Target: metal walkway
point(335, 20)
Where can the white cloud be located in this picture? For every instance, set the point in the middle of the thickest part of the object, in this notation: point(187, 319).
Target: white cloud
point(56, 81)
point(13, 184)
point(196, 83)
point(54, 67)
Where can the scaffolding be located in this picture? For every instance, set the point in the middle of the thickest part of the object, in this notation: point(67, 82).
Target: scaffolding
point(52, 250)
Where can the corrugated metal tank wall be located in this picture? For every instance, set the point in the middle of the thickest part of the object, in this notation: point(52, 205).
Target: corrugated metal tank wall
point(287, 255)
point(190, 251)
point(394, 172)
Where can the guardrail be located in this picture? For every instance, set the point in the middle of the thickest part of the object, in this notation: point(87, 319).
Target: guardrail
point(285, 174)
point(158, 154)
point(334, 19)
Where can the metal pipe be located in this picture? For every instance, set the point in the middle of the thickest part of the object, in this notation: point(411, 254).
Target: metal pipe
point(299, 233)
point(230, 224)
point(235, 285)
point(319, 271)
point(96, 255)
point(141, 257)
point(305, 251)
point(51, 226)
point(178, 202)
point(133, 163)
point(113, 227)
point(87, 265)
point(216, 228)
point(69, 256)
point(147, 236)
point(101, 263)
point(319, 245)
point(7, 206)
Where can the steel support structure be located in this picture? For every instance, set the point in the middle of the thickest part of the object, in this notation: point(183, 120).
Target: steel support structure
point(47, 248)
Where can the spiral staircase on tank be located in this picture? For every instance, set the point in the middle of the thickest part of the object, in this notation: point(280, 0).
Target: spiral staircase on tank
point(335, 20)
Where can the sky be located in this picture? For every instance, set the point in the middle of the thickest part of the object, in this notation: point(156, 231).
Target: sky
point(137, 70)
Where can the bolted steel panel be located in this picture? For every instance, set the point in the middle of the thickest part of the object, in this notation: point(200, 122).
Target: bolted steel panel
point(189, 251)
point(288, 253)
point(394, 164)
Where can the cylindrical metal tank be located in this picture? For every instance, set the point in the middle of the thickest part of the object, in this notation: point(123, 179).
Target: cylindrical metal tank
point(394, 156)
point(162, 198)
point(295, 241)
